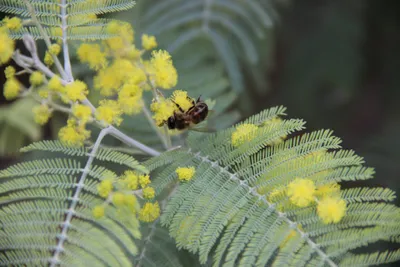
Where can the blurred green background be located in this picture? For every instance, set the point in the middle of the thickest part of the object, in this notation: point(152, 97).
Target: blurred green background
point(334, 63)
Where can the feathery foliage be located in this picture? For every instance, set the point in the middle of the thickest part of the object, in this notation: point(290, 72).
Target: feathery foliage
point(79, 17)
point(35, 202)
point(227, 211)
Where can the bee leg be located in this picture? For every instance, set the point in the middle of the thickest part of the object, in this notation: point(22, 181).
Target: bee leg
point(179, 107)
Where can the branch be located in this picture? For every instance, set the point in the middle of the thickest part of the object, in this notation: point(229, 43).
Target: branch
point(45, 38)
point(64, 27)
point(71, 211)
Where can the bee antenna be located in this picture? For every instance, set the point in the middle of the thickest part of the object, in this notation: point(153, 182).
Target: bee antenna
point(198, 99)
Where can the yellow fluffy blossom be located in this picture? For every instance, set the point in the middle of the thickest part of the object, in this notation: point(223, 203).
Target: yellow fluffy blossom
point(130, 99)
point(293, 233)
point(73, 134)
point(182, 99)
point(98, 212)
point(149, 212)
point(124, 38)
point(118, 198)
point(48, 59)
point(185, 173)
point(148, 192)
point(13, 23)
point(301, 192)
point(162, 69)
point(162, 110)
point(109, 111)
point(130, 200)
point(243, 133)
point(36, 78)
point(43, 93)
point(9, 72)
point(92, 54)
point(11, 88)
point(6, 46)
point(42, 114)
point(331, 189)
point(144, 180)
point(133, 53)
point(82, 112)
point(149, 42)
point(331, 209)
point(56, 85)
point(131, 180)
point(55, 49)
point(107, 81)
point(76, 90)
point(105, 187)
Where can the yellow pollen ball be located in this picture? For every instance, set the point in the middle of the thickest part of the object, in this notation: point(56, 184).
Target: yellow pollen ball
point(9, 72)
point(144, 180)
point(13, 23)
point(243, 133)
point(130, 200)
point(55, 49)
point(130, 99)
point(48, 59)
point(55, 84)
point(36, 78)
point(185, 173)
point(301, 192)
point(92, 54)
point(42, 114)
point(131, 180)
point(182, 99)
point(118, 199)
point(148, 192)
point(162, 69)
point(72, 134)
point(76, 90)
point(149, 212)
point(110, 112)
point(6, 47)
point(331, 209)
point(98, 212)
point(162, 111)
point(11, 89)
point(148, 42)
point(82, 112)
point(104, 188)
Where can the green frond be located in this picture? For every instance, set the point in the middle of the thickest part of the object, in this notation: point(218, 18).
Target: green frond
point(80, 24)
point(370, 259)
point(213, 21)
point(225, 211)
point(102, 154)
point(35, 200)
point(52, 8)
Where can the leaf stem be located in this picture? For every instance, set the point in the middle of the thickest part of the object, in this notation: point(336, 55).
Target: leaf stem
point(75, 199)
point(64, 27)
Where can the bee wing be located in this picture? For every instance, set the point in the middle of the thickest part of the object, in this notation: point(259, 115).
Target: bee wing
point(202, 128)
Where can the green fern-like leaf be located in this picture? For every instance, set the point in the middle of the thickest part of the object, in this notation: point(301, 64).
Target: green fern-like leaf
point(226, 212)
point(79, 22)
point(35, 204)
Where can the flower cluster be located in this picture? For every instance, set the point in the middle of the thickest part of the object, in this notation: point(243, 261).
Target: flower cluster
point(122, 193)
point(185, 173)
point(122, 75)
point(330, 207)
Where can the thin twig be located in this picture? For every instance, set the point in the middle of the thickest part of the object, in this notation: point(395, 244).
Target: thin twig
point(45, 38)
point(64, 27)
point(154, 126)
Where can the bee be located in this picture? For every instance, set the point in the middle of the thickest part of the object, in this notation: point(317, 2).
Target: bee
point(184, 120)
